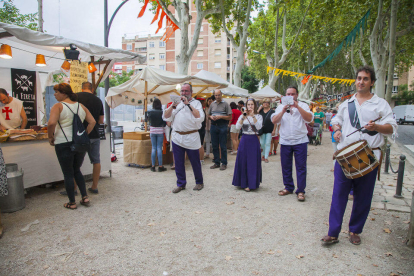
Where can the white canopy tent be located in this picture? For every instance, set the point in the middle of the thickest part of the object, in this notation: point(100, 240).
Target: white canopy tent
point(266, 92)
point(231, 90)
point(152, 82)
point(26, 44)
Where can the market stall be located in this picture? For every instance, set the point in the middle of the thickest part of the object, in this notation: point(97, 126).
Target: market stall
point(29, 62)
point(150, 83)
point(266, 92)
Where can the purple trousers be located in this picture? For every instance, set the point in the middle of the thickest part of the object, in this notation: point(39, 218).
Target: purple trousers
point(179, 160)
point(286, 156)
point(363, 190)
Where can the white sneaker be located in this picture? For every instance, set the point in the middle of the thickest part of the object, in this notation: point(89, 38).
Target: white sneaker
point(202, 162)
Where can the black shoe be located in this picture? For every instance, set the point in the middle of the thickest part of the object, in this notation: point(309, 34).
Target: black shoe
point(64, 193)
point(161, 169)
point(153, 169)
point(94, 191)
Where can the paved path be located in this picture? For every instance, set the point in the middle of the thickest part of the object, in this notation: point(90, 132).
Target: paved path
point(136, 226)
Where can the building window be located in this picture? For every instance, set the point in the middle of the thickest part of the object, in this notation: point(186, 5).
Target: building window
point(199, 66)
point(162, 67)
point(151, 56)
point(217, 52)
point(200, 41)
point(129, 69)
point(201, 28)
point(129, 47)
point(217, 64)
point(162, 44)
point(151, 44)
point(142, 49)
point(395, 89)
point(395, 76)
point(218, 39)
point(162, 56)
point(200, 53)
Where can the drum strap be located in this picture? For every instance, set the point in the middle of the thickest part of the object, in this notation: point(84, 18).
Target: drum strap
point(353, 117)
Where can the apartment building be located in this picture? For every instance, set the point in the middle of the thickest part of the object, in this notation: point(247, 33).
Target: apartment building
point(214, 52)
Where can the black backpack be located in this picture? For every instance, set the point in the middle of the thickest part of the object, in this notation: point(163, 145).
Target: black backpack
point(80, 139)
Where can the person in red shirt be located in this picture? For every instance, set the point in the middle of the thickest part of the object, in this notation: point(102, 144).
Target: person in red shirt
point(234, 133)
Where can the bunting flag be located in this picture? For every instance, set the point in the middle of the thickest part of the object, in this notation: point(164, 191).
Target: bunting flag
point(324, 98)
point(170, 26)
point(349, 39)
point(307, 77)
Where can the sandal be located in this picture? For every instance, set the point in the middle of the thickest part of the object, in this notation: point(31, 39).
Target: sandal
point(284, 192)
point(85, 203)
point(247, 190)
point(301, 196)
point(327, 240)
point(354, 238)
point(70, 205)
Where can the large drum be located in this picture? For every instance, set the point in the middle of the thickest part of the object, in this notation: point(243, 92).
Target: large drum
point(357, 159)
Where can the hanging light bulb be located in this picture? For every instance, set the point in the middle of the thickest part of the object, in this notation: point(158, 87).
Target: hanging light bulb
point(40, 60)
point(66, 65)
point(92, 68)
point(5, 51)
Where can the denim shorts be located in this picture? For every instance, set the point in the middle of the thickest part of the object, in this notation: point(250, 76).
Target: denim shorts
point(94, 151)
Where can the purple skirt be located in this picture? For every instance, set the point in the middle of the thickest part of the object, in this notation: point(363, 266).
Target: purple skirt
point(248, 167)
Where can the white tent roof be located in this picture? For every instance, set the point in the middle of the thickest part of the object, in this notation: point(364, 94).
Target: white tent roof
point(26, 44)
point(265, 92)
point(231, 89)
point(160, 84)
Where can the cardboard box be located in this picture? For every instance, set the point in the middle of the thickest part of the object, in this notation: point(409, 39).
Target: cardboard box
point(137, 135)
point(139, 152)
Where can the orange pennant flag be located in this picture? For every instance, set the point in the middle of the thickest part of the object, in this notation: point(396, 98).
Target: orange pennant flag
point(156, 14)
point(163, 14)
point(141, 13)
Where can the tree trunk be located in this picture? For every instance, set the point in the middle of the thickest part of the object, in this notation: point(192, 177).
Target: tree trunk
point(40, 15)
point(392, 46)
point(239, 66)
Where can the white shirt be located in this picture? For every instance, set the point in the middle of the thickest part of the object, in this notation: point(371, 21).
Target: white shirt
point(183, 120)
point(248, 123)
point(369, 110)
point(293, 130)
point(11, 113)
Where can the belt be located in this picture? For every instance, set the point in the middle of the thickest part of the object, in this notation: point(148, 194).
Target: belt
point(380, 162)
point(186, 132)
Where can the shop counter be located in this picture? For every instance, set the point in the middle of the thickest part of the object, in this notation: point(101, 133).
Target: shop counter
point(38, 160)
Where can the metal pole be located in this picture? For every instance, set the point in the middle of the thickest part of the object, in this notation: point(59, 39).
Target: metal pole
point(400, 178)
point(387, 158)
point(107, 110)
point(410, 238)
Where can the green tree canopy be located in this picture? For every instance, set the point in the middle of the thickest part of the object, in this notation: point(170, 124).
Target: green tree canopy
point(116, 79)
point(11, 15)
point(248, 80)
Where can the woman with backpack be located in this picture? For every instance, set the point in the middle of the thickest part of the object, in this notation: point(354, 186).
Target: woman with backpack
point(60, 133)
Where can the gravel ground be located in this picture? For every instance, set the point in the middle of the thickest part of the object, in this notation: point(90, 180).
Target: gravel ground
point(136, 226)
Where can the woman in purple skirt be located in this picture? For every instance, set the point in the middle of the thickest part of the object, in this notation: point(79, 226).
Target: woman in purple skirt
point(248, 168)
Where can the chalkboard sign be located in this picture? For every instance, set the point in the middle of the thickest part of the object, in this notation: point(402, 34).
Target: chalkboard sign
point(24, 89)
point(101, 130)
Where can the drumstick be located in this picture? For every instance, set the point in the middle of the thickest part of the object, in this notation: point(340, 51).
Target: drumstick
point(359, 129)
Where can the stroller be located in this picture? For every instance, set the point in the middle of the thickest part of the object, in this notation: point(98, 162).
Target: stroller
point(314, 134)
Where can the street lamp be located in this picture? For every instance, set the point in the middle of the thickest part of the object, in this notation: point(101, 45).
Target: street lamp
point(107, 28)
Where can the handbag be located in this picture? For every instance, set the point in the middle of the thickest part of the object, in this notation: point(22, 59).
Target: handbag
point(260, 131)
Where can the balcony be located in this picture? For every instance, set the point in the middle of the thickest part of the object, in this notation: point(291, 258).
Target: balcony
point(228, 69)
point(228, 56)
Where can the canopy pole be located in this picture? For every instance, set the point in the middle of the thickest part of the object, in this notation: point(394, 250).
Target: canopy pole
point(145, 102)
point(94, 86)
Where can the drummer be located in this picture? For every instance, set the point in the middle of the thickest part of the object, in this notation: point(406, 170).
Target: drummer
point(368, 107)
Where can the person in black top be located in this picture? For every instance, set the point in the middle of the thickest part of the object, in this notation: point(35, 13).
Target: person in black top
point(95, 106)
point(157, 125)
point(202, 132)
point(268, 128)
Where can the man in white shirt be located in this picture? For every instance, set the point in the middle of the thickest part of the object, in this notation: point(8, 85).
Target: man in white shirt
point(368, 107)
point(328, 117)
point(12, 112)
point(186, 117)
point(293, 141)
